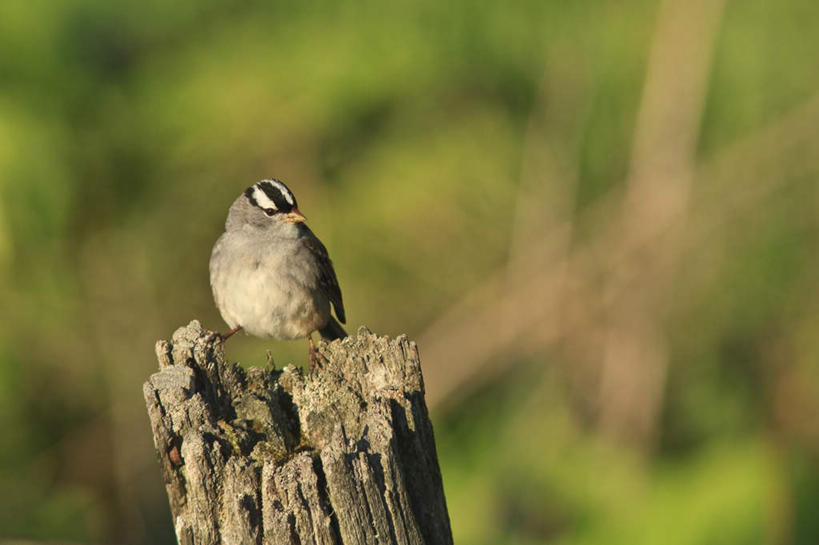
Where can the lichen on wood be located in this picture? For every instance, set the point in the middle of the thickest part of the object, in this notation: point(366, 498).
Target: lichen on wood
point(342, 455)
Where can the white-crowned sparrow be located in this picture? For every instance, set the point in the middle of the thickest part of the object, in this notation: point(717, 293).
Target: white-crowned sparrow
point(269, 273)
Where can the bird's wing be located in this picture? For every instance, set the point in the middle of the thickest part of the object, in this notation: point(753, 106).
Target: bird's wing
point(327, 276)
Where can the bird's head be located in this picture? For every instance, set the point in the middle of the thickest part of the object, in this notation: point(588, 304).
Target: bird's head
point(268, 204)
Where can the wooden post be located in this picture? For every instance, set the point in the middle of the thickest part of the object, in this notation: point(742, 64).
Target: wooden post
point(345, 455)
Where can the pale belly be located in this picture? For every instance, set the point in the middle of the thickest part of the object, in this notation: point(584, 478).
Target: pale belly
point(267, 305)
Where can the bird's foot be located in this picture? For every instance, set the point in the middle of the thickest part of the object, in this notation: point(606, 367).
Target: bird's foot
point(229, 334)
point(313, 356)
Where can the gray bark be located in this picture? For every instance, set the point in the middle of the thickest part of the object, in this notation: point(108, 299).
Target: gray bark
point(344, 455)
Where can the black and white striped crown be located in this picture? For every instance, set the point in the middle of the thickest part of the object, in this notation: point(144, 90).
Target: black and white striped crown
point(271, 195)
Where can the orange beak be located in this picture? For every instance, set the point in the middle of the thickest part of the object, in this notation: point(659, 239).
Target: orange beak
point(294, 216)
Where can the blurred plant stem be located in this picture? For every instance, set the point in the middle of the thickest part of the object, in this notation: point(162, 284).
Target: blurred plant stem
point(635, 351)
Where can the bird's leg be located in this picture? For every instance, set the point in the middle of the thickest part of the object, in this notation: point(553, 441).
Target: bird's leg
point(313, 359)
point(230, 333)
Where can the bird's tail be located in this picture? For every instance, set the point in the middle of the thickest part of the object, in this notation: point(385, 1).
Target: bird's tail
point(332, 330)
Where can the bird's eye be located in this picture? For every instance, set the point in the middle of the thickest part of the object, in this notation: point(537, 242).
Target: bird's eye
point(269, 211)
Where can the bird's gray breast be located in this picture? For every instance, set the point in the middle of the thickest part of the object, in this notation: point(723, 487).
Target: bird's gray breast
point(269, 286)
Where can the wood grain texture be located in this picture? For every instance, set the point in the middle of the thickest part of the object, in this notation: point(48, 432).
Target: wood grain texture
point(345, 455)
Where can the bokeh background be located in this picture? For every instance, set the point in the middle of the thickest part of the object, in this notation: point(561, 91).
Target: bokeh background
point(598, 219)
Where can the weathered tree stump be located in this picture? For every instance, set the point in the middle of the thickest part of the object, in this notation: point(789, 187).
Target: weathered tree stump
point(345, 455)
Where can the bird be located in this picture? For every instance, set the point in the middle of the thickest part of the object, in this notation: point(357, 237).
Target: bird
point(270, 275)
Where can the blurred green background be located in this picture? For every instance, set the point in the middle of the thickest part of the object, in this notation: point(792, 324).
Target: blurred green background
point(598, 219)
